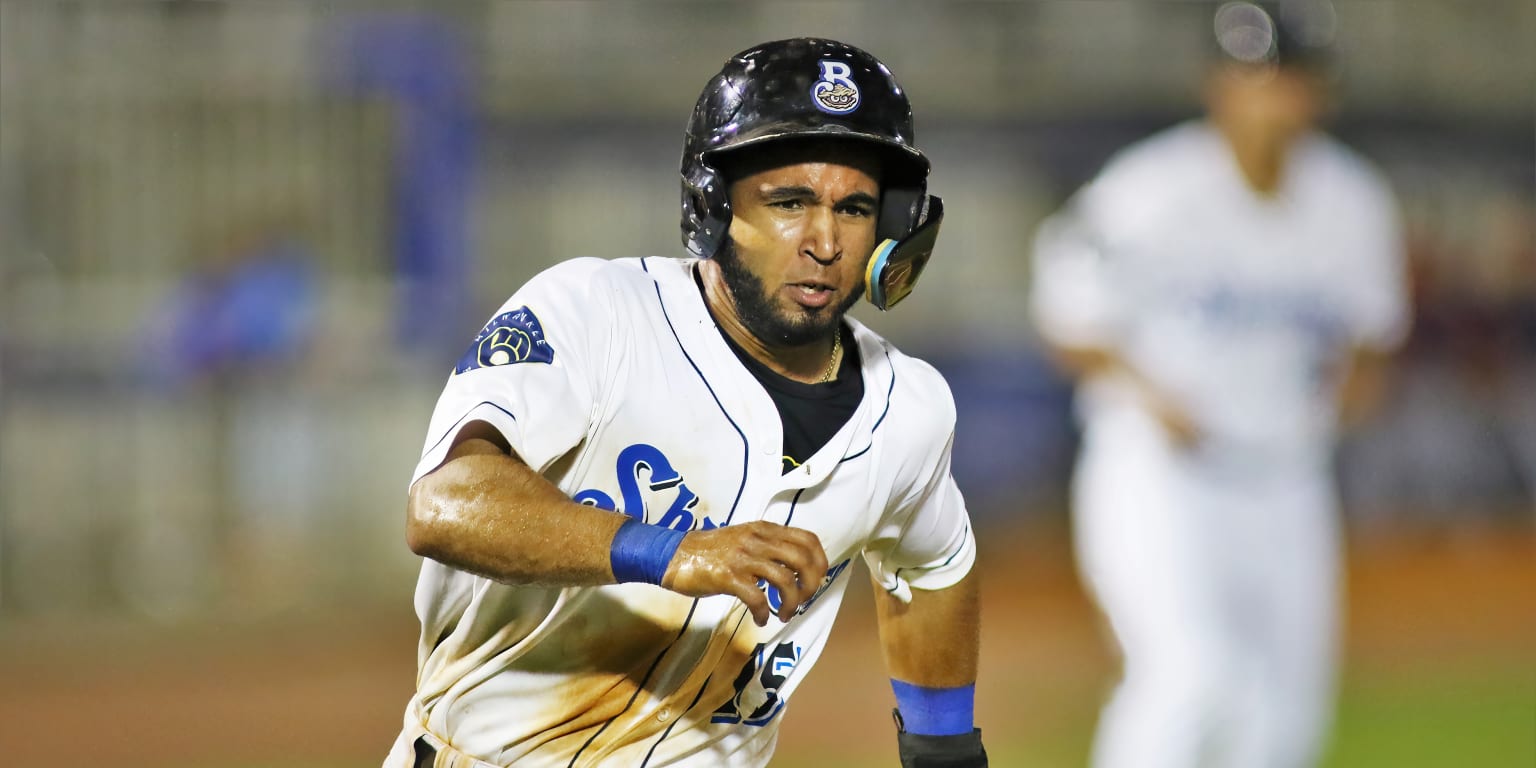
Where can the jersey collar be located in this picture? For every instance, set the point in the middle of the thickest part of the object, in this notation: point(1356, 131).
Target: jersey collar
point(743, 396)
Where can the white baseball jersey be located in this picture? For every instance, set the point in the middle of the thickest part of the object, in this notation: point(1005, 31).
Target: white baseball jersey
point(611, 379)
point(1240, 307)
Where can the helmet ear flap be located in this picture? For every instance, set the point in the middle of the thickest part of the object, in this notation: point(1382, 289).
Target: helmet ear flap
point(896, 264)
point(704, 225)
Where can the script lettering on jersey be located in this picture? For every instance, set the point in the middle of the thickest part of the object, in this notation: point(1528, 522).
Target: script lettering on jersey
point(776, 600)
point(1226, 306)
point(510, 337)
point(643, 469)
point(659, 477)
point(1303, 316)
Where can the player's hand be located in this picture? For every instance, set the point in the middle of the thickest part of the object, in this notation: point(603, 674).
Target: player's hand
point(731, 560)
point(1182, 429)
point(1176, 421)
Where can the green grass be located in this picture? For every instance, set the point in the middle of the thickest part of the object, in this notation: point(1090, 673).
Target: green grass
point(1464, 721)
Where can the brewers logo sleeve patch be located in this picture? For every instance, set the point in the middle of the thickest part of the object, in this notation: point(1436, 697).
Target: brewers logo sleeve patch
point(510, 337)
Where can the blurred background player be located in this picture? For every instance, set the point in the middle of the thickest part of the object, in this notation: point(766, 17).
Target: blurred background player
point(1225, 291)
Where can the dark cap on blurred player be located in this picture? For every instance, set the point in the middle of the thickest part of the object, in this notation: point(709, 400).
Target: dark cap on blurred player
point(1298, 33)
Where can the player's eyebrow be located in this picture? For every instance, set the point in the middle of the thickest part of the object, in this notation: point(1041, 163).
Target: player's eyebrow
point(780, 194)
point(861, 199)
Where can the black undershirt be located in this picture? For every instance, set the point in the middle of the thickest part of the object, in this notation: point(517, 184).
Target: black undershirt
point(811, 413)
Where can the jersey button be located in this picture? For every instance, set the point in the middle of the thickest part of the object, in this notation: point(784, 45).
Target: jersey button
point(664, 714)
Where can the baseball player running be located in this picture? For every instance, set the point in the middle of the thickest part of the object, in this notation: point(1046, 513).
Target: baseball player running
point(1224, 289)
point(645, 480)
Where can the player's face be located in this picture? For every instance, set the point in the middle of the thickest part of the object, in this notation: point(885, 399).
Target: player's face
point(801, 234)
point(1281, 104)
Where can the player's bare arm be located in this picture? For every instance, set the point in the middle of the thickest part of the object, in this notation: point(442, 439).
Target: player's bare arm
point(486, 512)
point(932, 649)
point(1363, 384)
point(935, 640)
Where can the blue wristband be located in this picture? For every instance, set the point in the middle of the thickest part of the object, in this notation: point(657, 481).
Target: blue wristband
point(641, 552)
point(936, 711)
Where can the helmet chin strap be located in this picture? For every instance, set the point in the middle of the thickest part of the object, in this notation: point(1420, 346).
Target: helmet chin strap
point(895, 265)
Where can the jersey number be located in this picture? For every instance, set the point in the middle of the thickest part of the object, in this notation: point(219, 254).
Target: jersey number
point(771, 671)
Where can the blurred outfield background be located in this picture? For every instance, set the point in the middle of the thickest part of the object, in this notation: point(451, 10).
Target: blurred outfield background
point(242, 242)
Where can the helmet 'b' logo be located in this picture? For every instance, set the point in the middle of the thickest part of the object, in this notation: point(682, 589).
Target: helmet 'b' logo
point(835, 92)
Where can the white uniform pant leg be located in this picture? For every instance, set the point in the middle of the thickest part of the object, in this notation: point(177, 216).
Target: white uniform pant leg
point(1290, 591)
point(1149, 560)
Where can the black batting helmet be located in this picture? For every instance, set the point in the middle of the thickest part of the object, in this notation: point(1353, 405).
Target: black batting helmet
point(796, 89)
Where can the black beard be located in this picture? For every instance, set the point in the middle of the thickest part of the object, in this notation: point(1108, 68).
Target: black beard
point(757, 311)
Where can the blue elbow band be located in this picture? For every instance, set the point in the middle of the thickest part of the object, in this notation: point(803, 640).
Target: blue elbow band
point(641, 552)
point(935, 711)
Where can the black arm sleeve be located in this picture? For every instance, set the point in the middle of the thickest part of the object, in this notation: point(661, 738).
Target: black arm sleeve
point(962, 750)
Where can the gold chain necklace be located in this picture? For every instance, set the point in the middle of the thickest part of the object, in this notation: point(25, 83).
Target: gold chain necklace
point(837, 347)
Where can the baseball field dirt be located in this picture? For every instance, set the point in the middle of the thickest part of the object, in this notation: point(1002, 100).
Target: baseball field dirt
point(1441, 647)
